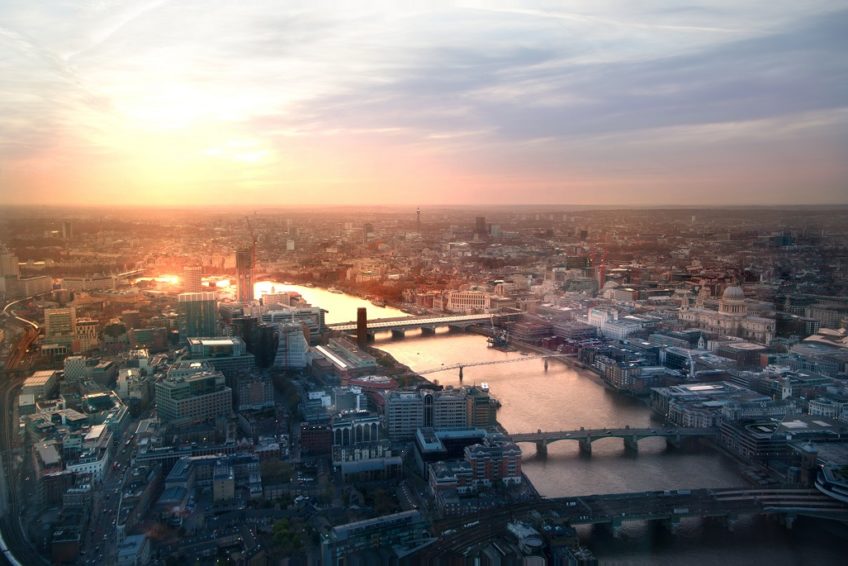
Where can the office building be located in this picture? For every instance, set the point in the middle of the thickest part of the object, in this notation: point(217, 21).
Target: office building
point(397, 534)
point(85, 334)
point(192, 279)
point(244, 274)
point(225, 353)
point(254, 392)
point(311, 317)
point(292, 347)
point(193, 398)
point(407, 411)
point(60, 325)
point(404, 412)
point(197, 314)
point(8, 263)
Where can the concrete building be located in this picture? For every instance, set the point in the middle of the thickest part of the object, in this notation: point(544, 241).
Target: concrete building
point(193, 398)
point(86, 335)
point(192, 279)
point(404, 412)
point(41, 384)
point(225, 353)
point(60, 325)
point(394, 535)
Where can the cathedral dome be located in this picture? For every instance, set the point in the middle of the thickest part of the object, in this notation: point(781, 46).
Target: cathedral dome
point(733, 293)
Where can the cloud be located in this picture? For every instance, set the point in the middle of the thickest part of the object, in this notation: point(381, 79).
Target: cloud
point(485, 90)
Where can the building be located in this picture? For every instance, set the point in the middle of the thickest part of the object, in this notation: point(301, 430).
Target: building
point(494, 461)
point(310, 317)
point(76, 368)
point(227, 354)
point(466, 301)
point(197, 314)
point(396, 536)
point(254, 392)
point(446, 409)
point(244, 274)
point(85, 334)
point(8, 263)
point(404, 411)
point(345, 358)
point(41, 384)
point(292, 346)
point(731, 319)
point(134, 550)
point(223, 483)
point(193, 398)
point(407, 411)
point(60, 325)
point(192, 279)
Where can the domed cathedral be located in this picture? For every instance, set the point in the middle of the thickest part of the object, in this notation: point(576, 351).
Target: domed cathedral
point(733, 302)
point(732, 318)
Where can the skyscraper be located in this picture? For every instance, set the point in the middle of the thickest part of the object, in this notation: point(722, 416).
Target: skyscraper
point(480, 226)
point(192, 282)
point(198, 315)
point(244, 272)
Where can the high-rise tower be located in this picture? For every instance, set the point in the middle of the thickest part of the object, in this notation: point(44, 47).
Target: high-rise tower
point(198, 315)
point(244, 273)
point(192, 282)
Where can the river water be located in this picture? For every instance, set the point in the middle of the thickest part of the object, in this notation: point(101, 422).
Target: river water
point(563, 398)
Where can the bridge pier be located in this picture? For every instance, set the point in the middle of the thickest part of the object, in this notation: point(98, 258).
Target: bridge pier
point(542, 448)
point(398, 333)
point(460, 374)
point(615, 527)
point(371, 336)
point(428, 330)
point(673, 441)
point(631, 444)
point(586, 446)
point(546, 364)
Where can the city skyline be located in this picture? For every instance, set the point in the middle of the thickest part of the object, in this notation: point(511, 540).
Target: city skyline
point(569, 104)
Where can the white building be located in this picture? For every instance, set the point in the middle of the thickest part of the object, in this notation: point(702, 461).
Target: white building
point(292, 347)
point(465, 301)
point(85, 332)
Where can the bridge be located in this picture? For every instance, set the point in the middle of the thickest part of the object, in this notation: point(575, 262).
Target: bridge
point(427, 324)
point(463, 365)
point(631, 436)
point(611, 510)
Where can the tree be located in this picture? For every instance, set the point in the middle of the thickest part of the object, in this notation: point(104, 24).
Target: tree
point(274, 470)
point(287, 537)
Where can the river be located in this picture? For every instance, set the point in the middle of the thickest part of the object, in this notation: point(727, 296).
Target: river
point(563, 398)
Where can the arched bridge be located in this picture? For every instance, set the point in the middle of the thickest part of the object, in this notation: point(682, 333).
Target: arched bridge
point(631, 436)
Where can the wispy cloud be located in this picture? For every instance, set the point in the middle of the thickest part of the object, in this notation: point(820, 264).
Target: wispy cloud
point(537, 97)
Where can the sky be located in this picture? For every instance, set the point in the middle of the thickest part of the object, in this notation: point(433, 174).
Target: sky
point(212, 102)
